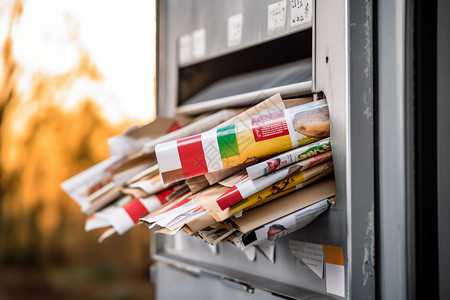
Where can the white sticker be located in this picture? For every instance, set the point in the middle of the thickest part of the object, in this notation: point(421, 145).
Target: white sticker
point(301, 12)
point(235, 24)
point(335, 281)
point(276, 17)
point(310, 254)
point(199, 43)
point(184, 48)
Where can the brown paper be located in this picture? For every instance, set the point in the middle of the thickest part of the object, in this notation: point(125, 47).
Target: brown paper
point(153, 130)
point(147, 159)
point(197, 183)
point(286, 205)
point(208, 202)
point(296, 102)
point(200, 222)
point(102, 201)
point(135, 192)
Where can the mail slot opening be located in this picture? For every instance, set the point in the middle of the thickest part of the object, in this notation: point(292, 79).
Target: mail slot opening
point(283, 61)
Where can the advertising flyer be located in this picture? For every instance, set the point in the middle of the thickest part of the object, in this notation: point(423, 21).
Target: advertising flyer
point(242, 142)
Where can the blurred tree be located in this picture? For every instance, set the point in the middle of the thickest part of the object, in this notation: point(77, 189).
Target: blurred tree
point(7, 90)
point(42, 143)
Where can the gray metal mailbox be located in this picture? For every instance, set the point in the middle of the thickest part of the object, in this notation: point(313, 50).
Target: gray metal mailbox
point(217, 54)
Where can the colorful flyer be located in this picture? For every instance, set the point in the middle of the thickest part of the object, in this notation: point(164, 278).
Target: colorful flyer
point(288, 158)
point(235, 144)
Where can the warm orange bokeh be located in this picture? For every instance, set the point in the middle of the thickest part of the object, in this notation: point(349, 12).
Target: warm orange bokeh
point(42, 241)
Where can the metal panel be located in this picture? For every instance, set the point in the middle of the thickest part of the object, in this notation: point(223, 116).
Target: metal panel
point(443, 140)
point(211, 288)
point(391, 158)
point(351, 108)
point(285, 277)
point(361, 180)
point(191, 15)
point(330, 41)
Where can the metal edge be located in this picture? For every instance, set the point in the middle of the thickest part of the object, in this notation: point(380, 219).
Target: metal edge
point(410, 153)
point(314, 88)
point(392, 198)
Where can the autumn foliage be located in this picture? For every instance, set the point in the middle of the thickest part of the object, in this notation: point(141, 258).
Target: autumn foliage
point(42, 143)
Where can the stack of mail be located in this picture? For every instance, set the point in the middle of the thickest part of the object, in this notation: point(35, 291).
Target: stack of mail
point(240, 176)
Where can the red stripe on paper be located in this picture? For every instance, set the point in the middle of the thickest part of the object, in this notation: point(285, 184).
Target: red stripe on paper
point(162, 197)
point(192, 157)
point(135, 209)
point(229, 198)
point(174, 127)
point(170, 207)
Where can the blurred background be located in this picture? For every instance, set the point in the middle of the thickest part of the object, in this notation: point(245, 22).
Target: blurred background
point(72, 74)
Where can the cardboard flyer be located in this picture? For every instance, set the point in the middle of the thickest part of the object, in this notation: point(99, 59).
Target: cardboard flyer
point(247, 187)
point(288, 158)
point(283, 187)
point(242, 142)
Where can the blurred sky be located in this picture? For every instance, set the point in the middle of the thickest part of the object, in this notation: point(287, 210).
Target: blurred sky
point(119, 37)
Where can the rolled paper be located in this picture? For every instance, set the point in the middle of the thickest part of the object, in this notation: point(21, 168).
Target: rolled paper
point(262, 135)
point(288, 158)
point(193, 128)
point(248, 187)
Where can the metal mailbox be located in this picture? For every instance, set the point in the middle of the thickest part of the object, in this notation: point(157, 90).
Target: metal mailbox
point(217, 54)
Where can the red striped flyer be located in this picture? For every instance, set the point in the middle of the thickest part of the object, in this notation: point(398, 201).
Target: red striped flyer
point(288, 158)
point(268, 133)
